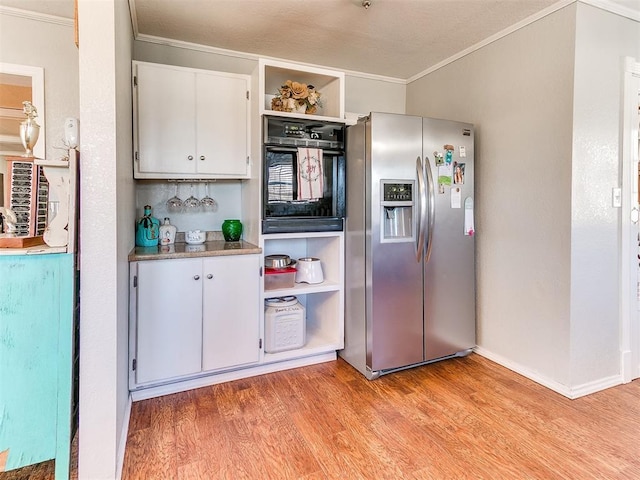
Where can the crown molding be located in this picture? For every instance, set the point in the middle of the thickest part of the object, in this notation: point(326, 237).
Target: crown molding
point(602, 4)
point(507, 31)
point(40, 17)
point(250, 56)
point(615, 8)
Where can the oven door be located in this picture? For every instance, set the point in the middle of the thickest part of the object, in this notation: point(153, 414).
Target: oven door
point(303, 190)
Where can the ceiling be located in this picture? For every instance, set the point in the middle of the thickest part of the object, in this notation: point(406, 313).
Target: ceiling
point(391, 38)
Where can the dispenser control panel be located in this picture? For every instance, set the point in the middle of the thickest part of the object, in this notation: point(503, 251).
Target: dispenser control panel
point(397, 192)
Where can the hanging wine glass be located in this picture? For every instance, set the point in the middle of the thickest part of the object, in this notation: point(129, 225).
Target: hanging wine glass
point(208, 203)
point(175, 204)
point(191, 204)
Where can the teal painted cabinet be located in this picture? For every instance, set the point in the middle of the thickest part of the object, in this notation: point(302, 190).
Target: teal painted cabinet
point(36, 349)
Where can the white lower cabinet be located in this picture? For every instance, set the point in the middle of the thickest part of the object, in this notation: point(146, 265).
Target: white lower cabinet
point(169, 320)
point(199, 321)
point(230, 328)
point(193, 316)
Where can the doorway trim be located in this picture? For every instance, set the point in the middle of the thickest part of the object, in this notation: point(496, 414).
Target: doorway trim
point(629, 324)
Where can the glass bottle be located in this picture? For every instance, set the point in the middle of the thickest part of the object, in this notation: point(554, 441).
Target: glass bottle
point(167, 232)
point(147, 229)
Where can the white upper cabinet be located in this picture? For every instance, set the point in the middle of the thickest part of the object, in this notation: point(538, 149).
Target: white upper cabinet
point(329, 83)
point(190, 123)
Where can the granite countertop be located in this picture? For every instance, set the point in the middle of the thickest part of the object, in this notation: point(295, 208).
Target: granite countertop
point(214, 246)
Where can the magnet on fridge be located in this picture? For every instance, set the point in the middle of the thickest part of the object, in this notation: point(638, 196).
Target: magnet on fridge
point(463, 151)
point(469, 228)
point(456, 197)
point(439, 157)
point(445, 172)
point(458, 173)
point(449, 153)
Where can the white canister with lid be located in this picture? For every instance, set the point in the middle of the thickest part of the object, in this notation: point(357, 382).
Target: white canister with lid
point(285, 324)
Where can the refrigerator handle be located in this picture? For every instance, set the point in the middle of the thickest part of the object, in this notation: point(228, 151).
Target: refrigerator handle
point(422, 209)
point(432, 207)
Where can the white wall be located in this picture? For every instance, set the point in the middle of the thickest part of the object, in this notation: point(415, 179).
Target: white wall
point(518, 93)
point(107, 219)
point(38, 43)
point(365, 95)
point(602, 40)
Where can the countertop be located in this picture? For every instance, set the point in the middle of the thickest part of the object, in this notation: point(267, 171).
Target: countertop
point(213, 248)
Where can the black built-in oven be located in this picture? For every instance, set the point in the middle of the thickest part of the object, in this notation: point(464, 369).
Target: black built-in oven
point(303, 175)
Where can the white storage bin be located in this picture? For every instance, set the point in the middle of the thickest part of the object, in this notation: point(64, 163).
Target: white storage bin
point(285, 324)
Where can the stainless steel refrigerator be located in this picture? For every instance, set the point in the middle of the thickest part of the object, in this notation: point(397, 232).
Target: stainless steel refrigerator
point(410, 270)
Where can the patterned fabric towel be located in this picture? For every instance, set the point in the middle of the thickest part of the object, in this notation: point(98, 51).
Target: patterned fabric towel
point(310, 177)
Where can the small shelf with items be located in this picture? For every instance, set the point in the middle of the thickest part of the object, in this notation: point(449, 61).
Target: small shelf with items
point(323, 302)
point(324, 327)
point(329, 84)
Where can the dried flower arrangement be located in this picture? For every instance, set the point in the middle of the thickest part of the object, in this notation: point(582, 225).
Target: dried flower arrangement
point(296, 97)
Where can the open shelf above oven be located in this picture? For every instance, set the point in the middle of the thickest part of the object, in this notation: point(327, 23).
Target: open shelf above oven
point(330, 84)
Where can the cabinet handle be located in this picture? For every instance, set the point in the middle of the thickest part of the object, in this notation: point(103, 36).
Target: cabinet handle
point(196, 277)
point(210, 276)
point(190, 157)
point(202, 157)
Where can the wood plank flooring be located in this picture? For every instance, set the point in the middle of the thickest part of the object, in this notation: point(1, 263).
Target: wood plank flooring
point(457, 419)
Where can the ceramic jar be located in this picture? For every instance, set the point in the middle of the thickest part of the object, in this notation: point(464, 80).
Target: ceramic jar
point(232, 230)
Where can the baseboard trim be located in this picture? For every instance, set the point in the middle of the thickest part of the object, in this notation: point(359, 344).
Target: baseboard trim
point(124, 433)
point(567, 391)
point(152, 392)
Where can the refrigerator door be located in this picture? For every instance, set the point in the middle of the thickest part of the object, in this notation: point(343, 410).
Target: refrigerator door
point(449, 272)
point(394, 276)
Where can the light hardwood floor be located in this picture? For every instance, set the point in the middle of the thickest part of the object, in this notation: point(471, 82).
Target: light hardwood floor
point(457, 419)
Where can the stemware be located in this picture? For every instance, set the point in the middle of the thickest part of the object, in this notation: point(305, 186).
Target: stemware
point(208, 203)
point(191, 204)
point(175, 203)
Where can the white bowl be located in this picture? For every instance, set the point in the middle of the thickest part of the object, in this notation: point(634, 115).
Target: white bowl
point(309, 270)
point(195, 237)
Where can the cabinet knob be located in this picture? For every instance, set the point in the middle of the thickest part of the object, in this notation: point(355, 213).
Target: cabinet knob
point(190, 157)
point(196, 277)
point(202, 157)
point(210, 276)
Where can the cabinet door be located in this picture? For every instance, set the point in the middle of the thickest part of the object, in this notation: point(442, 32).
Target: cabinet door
point(222, 113)
point(230, 311)
point(36, 338)
point(166, 128)
point(169, 319)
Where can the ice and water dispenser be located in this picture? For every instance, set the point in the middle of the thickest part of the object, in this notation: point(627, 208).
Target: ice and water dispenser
point(397, 211)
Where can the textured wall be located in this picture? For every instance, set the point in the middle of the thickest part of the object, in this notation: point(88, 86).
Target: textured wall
point(518, 93)
point(107, 217)
point(25, 41)
point(602, 40)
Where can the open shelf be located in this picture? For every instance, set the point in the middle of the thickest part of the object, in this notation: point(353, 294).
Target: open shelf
point(324, 326)
point(329, 83)
point(323, 302)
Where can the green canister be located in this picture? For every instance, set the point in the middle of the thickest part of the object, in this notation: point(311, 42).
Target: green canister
point(232, 230)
